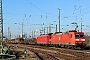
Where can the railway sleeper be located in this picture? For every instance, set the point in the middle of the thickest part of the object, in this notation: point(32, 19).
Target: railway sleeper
point(38, 56)
point(49, 56)
point(53, 57)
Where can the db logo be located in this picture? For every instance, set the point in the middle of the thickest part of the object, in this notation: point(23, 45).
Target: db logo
point(59, 38)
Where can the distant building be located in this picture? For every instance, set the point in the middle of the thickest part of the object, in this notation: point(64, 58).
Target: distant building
point(24, 36)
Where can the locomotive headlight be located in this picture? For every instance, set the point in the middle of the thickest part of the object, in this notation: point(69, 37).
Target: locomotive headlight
point(77, 39)
point(83, 39)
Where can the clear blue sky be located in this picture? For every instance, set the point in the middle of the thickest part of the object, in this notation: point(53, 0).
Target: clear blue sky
point(35, 12)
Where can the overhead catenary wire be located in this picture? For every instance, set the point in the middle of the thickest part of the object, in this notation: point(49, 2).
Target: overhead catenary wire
point(39, 8)
point(76, 8)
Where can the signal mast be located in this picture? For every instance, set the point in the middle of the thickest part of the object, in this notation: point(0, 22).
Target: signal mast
point(1, 23)
point(1, 27)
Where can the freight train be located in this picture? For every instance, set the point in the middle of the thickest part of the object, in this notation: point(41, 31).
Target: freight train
point(70, 39)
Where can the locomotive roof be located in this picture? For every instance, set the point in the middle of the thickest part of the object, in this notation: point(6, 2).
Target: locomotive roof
point(50, 34)
point(67, 32)
point(46, 34)
point(72, 31)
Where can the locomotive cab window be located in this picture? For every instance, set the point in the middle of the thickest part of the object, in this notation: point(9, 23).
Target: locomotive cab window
point(77, 36)
point(81, 36)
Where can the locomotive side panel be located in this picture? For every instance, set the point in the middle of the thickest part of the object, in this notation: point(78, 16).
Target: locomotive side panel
point(60, 39)
point(72, 38)
point(55, 39)
point(65, 39)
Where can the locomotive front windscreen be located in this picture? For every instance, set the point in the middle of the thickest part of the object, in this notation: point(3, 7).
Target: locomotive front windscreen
point(79, 36)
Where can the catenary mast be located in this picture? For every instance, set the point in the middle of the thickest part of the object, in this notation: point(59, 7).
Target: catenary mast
point(1, 22)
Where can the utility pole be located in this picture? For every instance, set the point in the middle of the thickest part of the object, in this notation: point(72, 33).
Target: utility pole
point(44, 30)
point(81, 24)
point(1, 24)
point(56, 27)
point(47, 30)
point(40, 31)
point(59, 18)
point(22, 24)
point(81, 18)
point(32, 35)
point(8, 32)
point(22, 29)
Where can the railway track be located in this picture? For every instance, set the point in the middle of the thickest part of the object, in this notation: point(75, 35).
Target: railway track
point(43, 56)
point(37, 54)
point(44, 53)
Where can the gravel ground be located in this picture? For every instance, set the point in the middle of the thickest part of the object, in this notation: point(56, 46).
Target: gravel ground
point(29, 55)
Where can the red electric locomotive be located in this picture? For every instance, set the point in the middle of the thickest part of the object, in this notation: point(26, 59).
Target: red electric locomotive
point(70, 39)
point(44, 39)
